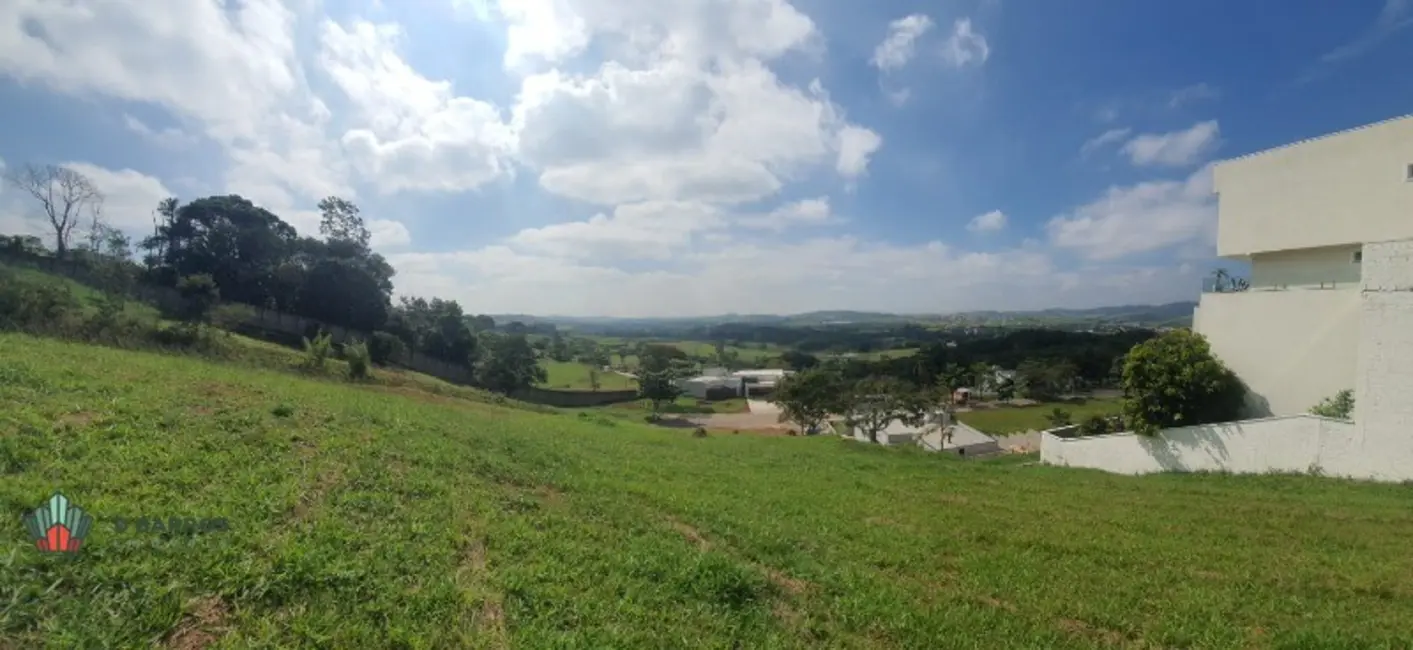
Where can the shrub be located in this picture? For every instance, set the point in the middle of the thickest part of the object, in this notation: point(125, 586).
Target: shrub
point(35, 305)
point(384, 347)
point(1059, 418)
point(282, 411)
point(231, 315)
point(1174, 380)
point(356, 353)
point(316, 351)
point(1341, 406)
point(699, 432)
point(199, 295)
point(1096, 425)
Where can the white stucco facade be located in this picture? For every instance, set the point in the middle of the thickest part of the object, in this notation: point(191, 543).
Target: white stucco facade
point(1346, 188)
point(1292, 348)
point(1303, 216)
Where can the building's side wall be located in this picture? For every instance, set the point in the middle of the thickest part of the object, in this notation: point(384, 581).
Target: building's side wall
point(1292, 348)
point(1342, 189)
point(1332, 266)
point(1383, 398)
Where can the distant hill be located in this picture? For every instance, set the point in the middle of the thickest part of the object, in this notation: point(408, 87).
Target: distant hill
point(1171, 314)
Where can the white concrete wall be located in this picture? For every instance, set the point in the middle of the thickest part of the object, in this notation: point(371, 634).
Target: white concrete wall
point(1383, 398)
point(1332, 267)
point(1341, 189)
point(1292, 348)
point(1299, 443)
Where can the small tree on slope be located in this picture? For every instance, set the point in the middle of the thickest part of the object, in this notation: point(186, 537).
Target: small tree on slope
point(1173, 380)
point(807, 397)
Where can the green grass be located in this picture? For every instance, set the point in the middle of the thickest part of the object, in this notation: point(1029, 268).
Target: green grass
point(572, 375)
point(363, 517)
point(1006, 420)
point(89, 297)
point(880, 355)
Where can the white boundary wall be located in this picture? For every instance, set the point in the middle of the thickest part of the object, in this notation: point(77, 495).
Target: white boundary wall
point(1296, 443)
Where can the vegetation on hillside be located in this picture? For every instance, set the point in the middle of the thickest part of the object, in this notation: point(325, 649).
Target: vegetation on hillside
point(362, 517)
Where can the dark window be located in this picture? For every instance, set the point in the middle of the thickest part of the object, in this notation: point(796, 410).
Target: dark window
point(1358, 257)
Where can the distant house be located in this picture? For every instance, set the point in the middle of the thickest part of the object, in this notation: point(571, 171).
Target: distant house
point(744, 383)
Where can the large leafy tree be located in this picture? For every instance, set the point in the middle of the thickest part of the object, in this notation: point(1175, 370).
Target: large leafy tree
point(659, 369)
point(437, 328)
point(1174, 380)
point(874, 402)
point(508, 364)
point(808, 397)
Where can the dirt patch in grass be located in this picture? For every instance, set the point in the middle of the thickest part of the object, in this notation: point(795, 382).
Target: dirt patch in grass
point(314, 494)
point(691, 533)
point(203, 625)
point(1107, 637)
point(75, 420)
point(491, 617)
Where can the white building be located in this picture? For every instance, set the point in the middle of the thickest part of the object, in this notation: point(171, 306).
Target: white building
point(1327, 226)
point(1301, 215)
point(743, 382)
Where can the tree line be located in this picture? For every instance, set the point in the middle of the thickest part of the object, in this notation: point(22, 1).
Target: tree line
point(229, 248)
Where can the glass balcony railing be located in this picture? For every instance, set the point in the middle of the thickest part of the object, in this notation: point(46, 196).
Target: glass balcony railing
point(1238, 285)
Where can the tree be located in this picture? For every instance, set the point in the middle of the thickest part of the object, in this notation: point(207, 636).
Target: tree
point(65, 195)
point(808, 397)
point(982, 377)
point(873, 403)
point(1174, 380)
point(1046, 379)
point(508, 364)
point(340, 222)
point(657, 378)
point(798, 360)
point(199, 295)
point(952, 377)
point(594, 378)
point(1006, 389)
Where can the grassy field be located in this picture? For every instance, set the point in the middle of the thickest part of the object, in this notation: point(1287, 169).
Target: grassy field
point(382, 517)
point(572, 375)
point(1005, 420)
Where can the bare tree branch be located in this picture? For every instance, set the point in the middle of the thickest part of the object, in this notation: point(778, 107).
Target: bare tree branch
point(64, 194)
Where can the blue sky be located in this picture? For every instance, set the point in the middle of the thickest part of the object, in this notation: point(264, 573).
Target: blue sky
point(641, 158)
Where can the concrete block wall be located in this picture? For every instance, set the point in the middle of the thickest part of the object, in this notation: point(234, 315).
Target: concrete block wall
point(1383, 393)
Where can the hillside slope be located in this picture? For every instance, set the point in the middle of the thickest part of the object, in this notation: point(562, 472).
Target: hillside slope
point(372, 517)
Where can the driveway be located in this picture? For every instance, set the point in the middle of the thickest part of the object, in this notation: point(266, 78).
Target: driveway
point(762, 407)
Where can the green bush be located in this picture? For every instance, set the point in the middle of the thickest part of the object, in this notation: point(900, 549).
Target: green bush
point(1095, 425)
point(231, 315)
point(199, 296)
point(359, 363)
point(1174, 380)
point(384, 347)
point(1059, 418)
point(36, 305)
point(1341, 406)
point(317, 351)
